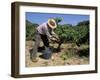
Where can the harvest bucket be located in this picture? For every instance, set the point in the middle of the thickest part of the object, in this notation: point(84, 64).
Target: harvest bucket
point(47, 53)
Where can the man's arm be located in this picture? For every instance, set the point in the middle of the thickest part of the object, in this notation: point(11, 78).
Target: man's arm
point(53, 36)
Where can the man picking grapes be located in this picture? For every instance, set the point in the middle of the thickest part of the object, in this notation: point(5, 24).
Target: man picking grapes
point(45, 32)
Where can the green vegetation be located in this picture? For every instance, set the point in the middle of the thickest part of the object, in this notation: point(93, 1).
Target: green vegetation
point(30, 30)
point(75, 51)
point(68, 54)
point(78, 34)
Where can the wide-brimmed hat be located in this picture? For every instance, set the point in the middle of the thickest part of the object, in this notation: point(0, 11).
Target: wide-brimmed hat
point(52, 23)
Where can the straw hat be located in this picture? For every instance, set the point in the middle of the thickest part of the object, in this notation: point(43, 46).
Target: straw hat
point(52, 23)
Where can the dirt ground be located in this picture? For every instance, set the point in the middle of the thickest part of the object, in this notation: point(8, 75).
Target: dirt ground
point(56, 59)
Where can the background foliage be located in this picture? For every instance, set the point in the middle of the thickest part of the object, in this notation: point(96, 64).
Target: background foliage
point(78, 34)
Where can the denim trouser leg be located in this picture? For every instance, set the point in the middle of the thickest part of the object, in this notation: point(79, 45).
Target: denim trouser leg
point(36, 45)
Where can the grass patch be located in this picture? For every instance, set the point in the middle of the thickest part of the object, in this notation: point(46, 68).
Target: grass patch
point(68, 54)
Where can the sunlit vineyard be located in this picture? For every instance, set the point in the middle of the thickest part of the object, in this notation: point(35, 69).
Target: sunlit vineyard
point(74, 42)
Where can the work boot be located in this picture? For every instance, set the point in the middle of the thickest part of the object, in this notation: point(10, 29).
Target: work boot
point(35, 60)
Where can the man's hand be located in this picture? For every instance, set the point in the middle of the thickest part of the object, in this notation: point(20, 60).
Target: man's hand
point(55, 39)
